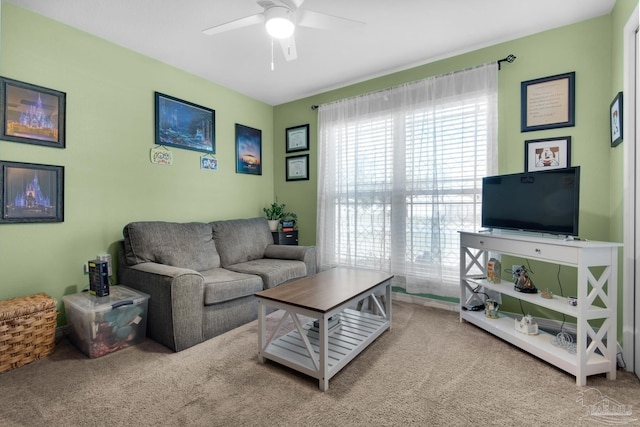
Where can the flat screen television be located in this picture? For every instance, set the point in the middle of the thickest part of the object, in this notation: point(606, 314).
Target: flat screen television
point(544, 201)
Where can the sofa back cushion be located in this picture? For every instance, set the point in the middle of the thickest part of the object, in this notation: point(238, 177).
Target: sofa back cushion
point(186, 245)
point(241, 240)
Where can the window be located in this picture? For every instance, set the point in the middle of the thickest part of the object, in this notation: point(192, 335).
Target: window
point(399, 179)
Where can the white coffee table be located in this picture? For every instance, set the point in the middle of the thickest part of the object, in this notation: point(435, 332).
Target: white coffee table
point(327, 295)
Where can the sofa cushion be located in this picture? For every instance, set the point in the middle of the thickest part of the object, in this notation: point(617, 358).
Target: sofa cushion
point(274, 272)
point(186, 245)
point(241, 240)
point(222, 285)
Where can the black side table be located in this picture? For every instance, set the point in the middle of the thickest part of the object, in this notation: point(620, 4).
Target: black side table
point(285, 238)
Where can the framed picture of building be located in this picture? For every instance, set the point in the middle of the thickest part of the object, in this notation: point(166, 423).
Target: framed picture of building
point(31, 192)
point(32, 114)
point(183, 124)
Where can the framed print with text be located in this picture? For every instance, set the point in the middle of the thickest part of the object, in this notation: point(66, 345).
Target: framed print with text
point(248, 150)
point(297, 138)
point(615, 118)
point(298, 168)
point(32, 114)
point(548, 103)
point(545, 154)
point(31, 193)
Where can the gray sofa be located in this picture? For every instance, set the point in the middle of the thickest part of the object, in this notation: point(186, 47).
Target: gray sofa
point(201, 277)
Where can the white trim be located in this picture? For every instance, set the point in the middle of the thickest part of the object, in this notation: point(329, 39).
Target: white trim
point(427, 302)
point(629, 232)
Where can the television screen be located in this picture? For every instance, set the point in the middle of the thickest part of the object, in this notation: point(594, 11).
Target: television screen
point(544, 201)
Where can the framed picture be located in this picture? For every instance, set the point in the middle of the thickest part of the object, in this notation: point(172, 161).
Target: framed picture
point(32, 114)
point(615, 117)
point(545, 154)
point(248, 150)
point(548, 103)
point(31, 193)
point(297, 138)
point(298, 168)
point(209, 163)
point(182, 124)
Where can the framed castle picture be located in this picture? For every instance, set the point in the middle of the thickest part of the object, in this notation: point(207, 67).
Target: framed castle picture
point(185, 125)
point(31, 192)
point(32, 114)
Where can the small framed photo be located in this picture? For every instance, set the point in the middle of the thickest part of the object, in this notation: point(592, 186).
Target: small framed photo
point(545, 154)
point(298, 168)
point(208, 163)
point(297, 138)
point(32, 114)
point(615, 117)
point(182, 124)
point(548, 103)
point(31, 193)
point(248, 150)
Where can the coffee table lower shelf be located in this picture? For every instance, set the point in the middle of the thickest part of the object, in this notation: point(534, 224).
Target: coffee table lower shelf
point(356, 331)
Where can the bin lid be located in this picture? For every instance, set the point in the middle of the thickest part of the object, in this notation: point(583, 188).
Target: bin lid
point(118, 296)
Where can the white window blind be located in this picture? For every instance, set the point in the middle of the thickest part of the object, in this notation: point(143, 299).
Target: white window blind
point(400, 174)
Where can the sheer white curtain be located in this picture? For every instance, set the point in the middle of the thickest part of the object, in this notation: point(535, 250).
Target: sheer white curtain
point(399, 174)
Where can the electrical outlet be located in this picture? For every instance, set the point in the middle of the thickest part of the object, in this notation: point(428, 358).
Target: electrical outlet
point(86, 268)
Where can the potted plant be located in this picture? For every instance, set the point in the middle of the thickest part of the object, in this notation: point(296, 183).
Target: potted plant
point(275, 212)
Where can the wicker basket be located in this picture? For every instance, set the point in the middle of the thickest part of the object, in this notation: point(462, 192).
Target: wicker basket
point(27, 330)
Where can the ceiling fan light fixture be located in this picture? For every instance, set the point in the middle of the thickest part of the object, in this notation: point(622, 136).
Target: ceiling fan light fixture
point(278, 22)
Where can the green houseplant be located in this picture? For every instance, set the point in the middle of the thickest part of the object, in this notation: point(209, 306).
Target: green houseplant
point(275, 212)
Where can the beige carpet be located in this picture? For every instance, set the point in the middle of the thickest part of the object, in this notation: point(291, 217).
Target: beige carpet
point(430, 369)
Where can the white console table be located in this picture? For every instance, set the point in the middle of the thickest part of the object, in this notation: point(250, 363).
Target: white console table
point(595, 347)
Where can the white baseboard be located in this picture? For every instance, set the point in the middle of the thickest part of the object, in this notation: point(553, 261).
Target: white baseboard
point(427, 302)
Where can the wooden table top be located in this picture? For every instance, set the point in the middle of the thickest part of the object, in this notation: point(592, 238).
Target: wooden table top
point(326, 290)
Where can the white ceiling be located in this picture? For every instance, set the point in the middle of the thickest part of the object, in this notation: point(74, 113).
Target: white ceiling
point(399, 34)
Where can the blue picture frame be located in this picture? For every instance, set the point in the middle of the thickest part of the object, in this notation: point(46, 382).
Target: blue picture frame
point(248, 150)
point(548, 102)
point(183, 124)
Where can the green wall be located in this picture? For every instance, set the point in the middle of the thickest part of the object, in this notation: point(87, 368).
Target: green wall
point(593, 49)
point(110, 180)
point(584, 48)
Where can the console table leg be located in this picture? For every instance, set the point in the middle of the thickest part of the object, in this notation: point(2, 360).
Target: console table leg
point(262, 330)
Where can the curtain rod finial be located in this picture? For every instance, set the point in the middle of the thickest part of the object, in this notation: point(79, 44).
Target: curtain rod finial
point(510, 58)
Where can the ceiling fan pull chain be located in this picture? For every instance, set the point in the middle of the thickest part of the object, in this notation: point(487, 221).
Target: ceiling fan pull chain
point(272, 67)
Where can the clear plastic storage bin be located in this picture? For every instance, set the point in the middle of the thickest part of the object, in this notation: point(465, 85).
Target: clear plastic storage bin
point(101, 325)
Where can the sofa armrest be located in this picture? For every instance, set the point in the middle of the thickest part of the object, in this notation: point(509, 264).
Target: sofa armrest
point(307, 254)
point(176, 304)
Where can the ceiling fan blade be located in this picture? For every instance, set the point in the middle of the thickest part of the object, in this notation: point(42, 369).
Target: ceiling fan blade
point(289, 48)
point(293, 4)
point(234, 25)
point(308, 18)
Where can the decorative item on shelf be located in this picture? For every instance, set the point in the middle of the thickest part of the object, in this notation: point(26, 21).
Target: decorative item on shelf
point(546, 293)
point(288, 225)
point(527, 325)
point(491, 309)
point(275, 213)
point(572, 301)
point(523, 282)
point(494, 271)
point(566, 341)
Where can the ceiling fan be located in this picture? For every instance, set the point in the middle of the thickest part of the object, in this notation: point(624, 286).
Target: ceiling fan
point(281, 18)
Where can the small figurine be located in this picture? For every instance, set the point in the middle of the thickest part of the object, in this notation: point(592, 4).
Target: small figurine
point(546, 293)
point(523, 282)
point(491, 309)
point(527, 325)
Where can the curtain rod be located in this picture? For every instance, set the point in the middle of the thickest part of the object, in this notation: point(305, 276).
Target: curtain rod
point(509, 58)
